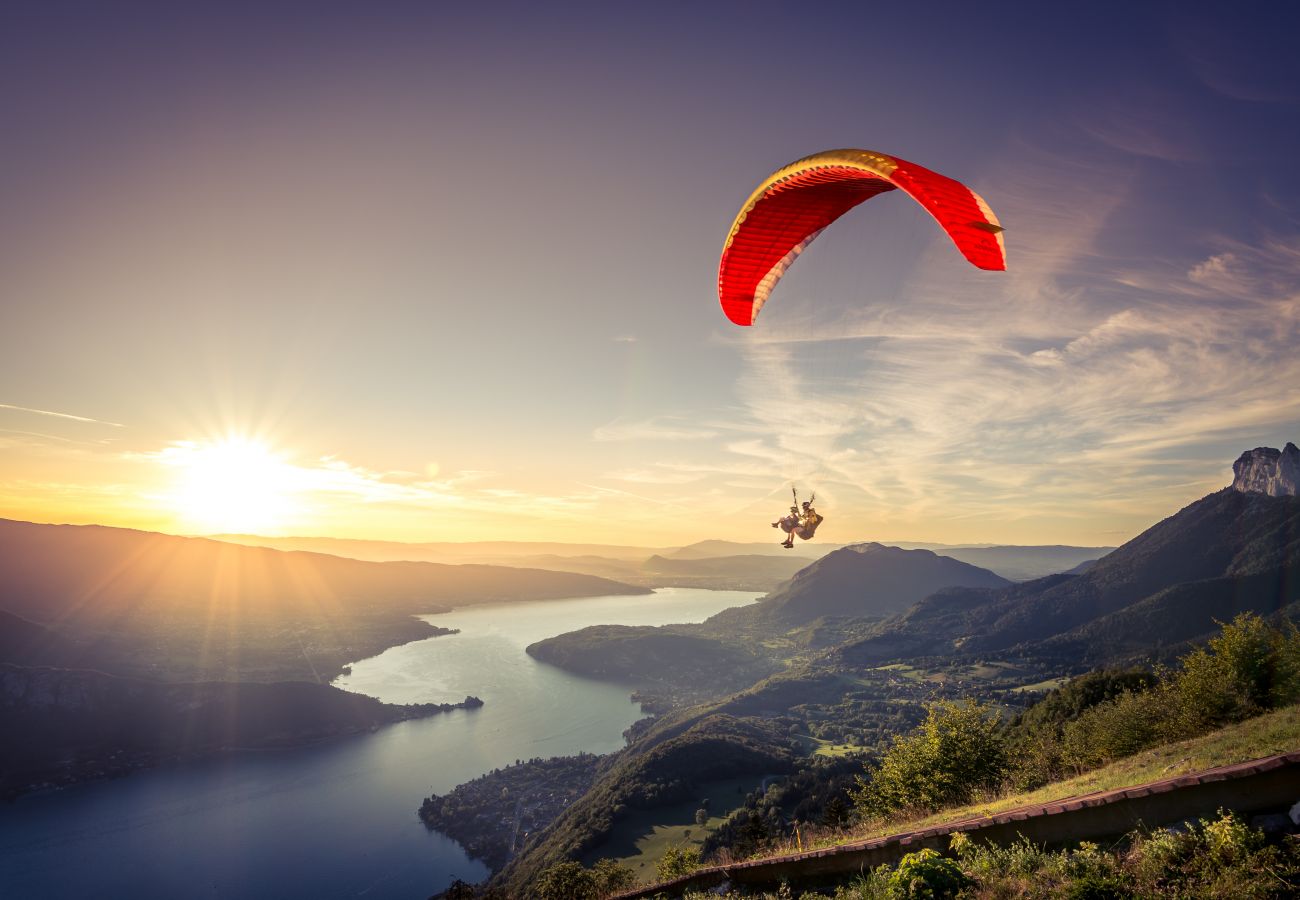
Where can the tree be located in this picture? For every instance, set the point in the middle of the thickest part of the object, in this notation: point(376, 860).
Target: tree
point(956, 752)
point(754, 834)
point(458, 890)
point(701, 816)
point(836, 813)
point(612, 876)
point(1249, 667)
point(676, 862)
point(566, 881)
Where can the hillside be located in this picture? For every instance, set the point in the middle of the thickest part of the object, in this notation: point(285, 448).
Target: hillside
point(735, 573)
point(195, 609)
point(860, 580)
point(1239, 766)
point(76, 724)
point(28, 644)
point(714, 548)
point(664, 766)
point(836, 595)
point(450, 552)
point(95, 574)
point(1025, 563)
point(655, 658)
point(1230, 551)
point(718, 564)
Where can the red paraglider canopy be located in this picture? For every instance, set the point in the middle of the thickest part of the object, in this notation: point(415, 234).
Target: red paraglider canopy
point(794, 204)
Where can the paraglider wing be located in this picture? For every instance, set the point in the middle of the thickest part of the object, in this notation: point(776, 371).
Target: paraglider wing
point(796, 203)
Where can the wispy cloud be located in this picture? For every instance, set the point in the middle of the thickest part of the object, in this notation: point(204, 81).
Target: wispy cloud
point(657, 429)
point(60, 415)
point(1210, 270)
point(1082, 385)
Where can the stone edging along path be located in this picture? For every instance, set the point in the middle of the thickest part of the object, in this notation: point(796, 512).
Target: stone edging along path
point(1260, 785)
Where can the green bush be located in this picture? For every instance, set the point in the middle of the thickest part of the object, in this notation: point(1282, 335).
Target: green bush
point(565, 881)
point(1248, 668)
point(612, 876)
point(1117, 728)
point(1222, 857)
point(676, 862)
point(924, 875)
point(1038, 734)
point(955, 753)
point(1090, 874)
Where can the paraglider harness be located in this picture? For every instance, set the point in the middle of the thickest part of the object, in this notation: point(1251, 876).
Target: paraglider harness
point(799, 523)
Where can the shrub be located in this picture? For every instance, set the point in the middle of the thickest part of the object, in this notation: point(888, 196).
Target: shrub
point(1222, 857)
point(956, 752)
point(566, 881)
point(1117, 728)
point(1092, 875)
point(1037, 737)
point(926, 874)
point(676, 862)
point(1230, 841)
point(612, 876)
point(1248, 668)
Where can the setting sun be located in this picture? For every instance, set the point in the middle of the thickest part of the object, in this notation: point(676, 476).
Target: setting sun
point(232, 485)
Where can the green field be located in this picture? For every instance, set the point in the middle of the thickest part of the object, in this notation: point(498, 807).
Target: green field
point(826, 748)
point(640, 837)
point(1048, 685)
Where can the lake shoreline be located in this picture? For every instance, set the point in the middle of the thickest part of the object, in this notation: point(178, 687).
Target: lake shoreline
point(122, 762)
point(339, 817)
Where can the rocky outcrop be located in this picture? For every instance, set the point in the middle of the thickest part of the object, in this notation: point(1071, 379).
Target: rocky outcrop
point(1268, 471)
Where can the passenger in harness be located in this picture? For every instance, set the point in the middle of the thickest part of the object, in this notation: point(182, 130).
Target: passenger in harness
point(801, 523)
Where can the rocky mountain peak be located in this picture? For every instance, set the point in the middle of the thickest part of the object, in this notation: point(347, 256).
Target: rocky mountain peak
point(1265, 470)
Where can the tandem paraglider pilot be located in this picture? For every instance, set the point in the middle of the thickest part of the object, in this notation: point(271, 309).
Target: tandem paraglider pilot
point(801, 523)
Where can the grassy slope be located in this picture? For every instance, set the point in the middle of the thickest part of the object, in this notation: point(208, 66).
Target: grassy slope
point(665, 766)
point(641, 838)
point(1275, 732)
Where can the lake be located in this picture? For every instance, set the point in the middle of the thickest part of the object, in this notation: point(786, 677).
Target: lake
point(339, 819)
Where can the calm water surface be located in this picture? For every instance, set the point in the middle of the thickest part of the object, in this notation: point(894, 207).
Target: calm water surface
point(338, 819)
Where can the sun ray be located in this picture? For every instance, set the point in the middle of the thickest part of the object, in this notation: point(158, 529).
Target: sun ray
point(235, 484)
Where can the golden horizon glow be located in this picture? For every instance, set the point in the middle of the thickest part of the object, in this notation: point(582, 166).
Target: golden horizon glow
point(232, 484)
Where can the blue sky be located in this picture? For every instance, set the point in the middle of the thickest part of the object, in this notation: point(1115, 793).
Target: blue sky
point(452, 269)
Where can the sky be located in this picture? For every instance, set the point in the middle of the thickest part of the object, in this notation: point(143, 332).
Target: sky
point(441, 272)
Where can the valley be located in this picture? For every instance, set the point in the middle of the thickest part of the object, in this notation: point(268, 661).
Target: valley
point(826, 669)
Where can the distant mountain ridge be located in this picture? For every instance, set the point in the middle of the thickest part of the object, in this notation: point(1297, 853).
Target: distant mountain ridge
point(1025, 563)
point(96, 573)
point(867, 580)
point(176, 608)
point(1227, 552)
point(858, 582)
point(628, 563)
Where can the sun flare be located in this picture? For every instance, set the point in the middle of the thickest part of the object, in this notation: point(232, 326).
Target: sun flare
point(232, 485)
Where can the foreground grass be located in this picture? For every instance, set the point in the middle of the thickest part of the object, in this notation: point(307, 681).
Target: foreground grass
point(1216, 857)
